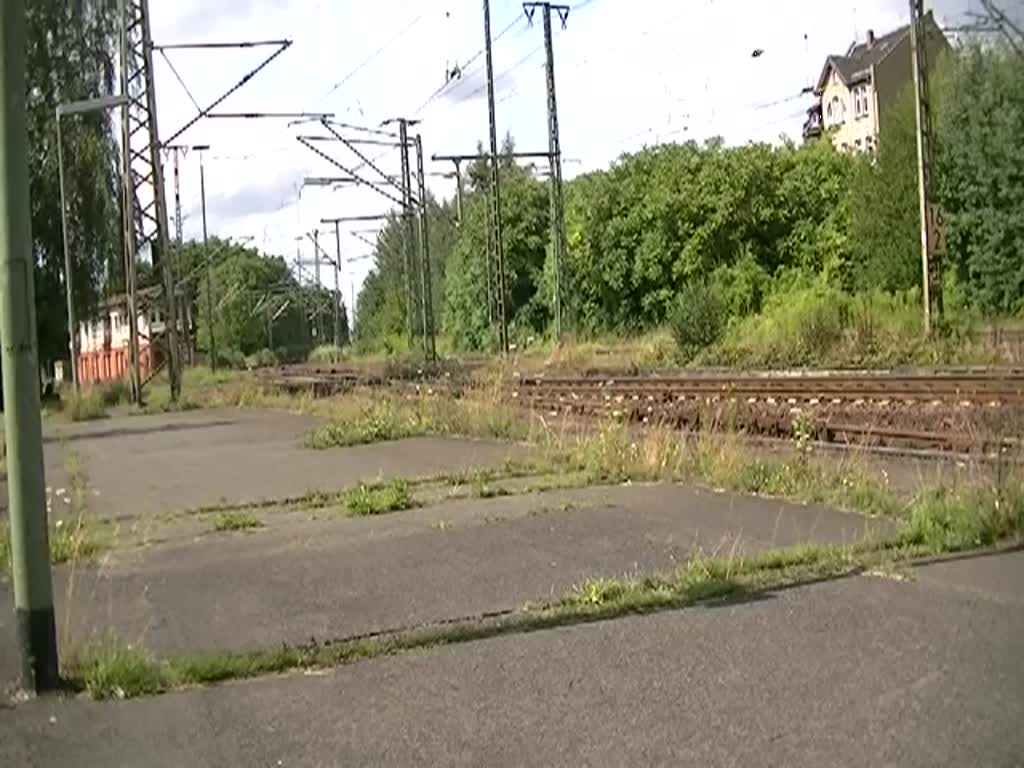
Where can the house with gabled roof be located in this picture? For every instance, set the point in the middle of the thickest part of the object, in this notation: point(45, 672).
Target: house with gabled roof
point(857, 89)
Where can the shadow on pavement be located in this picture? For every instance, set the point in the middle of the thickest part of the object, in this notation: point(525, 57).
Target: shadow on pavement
point(126, 432)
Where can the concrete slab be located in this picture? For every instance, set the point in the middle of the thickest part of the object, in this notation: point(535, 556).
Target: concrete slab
point(338, 578)
point(998, 579)
point(863, 671)
point(150, 464)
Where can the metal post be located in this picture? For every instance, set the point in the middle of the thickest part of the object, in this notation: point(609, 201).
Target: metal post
point(931, 267)
point(179, 242)
point(303, 334)
point(161, 241)
point(128, 213)
point(458, 191)
point(555, 148)
point(410, 235)
point(499, 257)
point(316, 284)
point(30, 549)
point(68, 280)
point(489, 263)
point(337, 284)
point(426, 280)
point(209, 276)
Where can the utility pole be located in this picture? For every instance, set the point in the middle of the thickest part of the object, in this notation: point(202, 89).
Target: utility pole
point(26, 483)
point(410, 234)
point(316, 281)
point(128, 208)
point(145, 167)
point(298, 280)
point(337, 284)
point(932, 236)
point(558, 239)
point(337, 279)
point(499, 256)
point(179, 241)
point(68, 285)
point(426, 280)
point(206, 258)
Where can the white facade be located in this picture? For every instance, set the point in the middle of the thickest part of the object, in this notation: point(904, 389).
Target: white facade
point(110, 330)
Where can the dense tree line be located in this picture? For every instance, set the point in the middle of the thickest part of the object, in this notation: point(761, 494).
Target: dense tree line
point(259, 308)
point(743, 225)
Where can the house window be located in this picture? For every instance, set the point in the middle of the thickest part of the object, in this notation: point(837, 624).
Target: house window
point(869, 144)
point(835, 77)
point(856, 143)
point(860, 101)
point(836, 111)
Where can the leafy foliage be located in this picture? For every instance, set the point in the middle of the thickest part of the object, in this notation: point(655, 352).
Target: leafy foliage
point(773, 254)
point(980, 182)
point(259, 309)
point(698, 318)
point(70, 57)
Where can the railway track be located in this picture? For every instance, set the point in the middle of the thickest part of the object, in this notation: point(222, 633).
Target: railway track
point(950, 410)
point(1000, 388)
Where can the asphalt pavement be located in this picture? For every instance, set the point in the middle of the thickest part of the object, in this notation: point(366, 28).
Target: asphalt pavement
point(332, 577)
point(859, 671)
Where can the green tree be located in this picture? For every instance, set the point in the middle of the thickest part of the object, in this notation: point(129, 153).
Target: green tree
point(885, 234)
point(249, 289)
point(70, 55)
point(980, 181)
point(524, 207)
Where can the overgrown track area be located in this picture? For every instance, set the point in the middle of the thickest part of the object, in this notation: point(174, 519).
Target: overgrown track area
point(957, 410)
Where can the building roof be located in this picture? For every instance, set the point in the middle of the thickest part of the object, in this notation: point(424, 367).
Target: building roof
point(855, 65)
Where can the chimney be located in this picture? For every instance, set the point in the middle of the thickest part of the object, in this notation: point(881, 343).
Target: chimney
point(871, 39)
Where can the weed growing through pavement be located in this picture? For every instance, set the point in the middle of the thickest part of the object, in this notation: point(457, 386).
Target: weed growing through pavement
point(379, 498)
point(72, 537)
point(236, 521)
point(358, 421)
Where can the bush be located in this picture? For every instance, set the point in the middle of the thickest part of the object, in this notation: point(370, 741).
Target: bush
point(114, 392)
point(815, 325)
point(230, 358)
point(327, 353)
point(262, 359)
point(698, 318)
point(86, 405)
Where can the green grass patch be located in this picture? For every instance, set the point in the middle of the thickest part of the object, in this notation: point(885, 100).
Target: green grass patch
point(942, 520)
point(379, 498)
point(77, 542)
point(236, 521)
point(358, 422)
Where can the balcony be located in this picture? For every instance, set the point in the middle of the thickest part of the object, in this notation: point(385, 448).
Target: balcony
point(813, 125)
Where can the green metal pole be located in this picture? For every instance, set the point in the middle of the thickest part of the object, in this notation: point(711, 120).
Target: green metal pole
point(30, 549)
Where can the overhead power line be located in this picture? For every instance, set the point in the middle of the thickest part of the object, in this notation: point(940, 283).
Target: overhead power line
point(369, 59)
point(461, 68)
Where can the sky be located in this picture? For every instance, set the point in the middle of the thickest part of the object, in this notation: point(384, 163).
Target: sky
point(629, 73)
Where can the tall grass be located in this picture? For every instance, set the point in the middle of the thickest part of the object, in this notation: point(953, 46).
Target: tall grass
point(824, 326)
